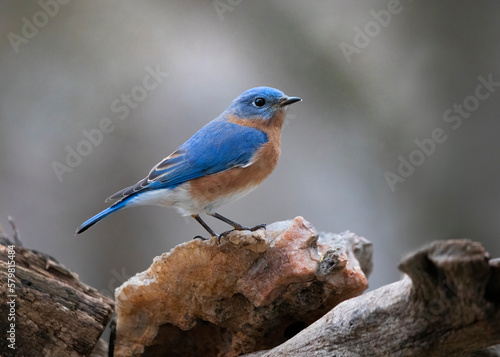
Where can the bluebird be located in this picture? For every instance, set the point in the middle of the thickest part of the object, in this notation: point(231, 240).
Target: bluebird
point(225, 160)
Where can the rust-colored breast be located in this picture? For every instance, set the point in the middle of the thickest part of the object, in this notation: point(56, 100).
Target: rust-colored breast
point(213, 187)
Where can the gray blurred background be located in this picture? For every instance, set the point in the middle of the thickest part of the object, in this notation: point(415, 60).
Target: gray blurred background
point(370, 89)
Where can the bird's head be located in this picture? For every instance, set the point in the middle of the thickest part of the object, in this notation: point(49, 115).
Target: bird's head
point(260, 103)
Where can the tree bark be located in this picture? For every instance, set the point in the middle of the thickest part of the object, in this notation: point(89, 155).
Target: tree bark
point(448, 304)
point(45, 310)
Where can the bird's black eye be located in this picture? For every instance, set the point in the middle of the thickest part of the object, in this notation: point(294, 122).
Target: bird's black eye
point(260, 102)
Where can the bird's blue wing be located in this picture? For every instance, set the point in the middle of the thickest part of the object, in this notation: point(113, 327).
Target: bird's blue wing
point(218, 146)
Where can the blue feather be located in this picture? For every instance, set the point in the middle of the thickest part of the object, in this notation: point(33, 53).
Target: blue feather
point(211, 150)
point(90, 222)
point(218, 146)
point(244, 107)
point(207, 152)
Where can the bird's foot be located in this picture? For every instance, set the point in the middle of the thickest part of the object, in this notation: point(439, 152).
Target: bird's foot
point(242, 228)
point(253, 229)
point(223, 234)
point(257, 227)
point(200, 237)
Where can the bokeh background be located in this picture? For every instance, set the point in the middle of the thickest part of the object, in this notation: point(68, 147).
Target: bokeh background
point(367, 98)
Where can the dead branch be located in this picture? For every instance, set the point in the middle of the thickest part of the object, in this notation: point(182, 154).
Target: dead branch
point(448, 304)
point(52, 312)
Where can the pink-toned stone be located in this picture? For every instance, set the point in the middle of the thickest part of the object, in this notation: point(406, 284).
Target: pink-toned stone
point(251, 292)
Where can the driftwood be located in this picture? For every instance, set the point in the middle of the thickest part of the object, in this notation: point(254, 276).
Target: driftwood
point(45, 310)
point(448, 304)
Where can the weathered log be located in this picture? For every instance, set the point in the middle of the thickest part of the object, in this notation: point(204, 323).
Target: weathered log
point(448, 304)
point(253, 291)
point(47, 310)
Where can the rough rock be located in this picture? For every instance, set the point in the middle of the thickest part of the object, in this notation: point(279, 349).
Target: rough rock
point(252, 292)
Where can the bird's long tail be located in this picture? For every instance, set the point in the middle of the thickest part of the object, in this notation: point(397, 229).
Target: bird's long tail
point(90, 222)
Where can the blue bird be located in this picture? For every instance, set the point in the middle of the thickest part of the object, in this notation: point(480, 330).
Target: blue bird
point(225, 160)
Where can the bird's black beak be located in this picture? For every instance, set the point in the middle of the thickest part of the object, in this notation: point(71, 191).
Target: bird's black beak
point(289, 100)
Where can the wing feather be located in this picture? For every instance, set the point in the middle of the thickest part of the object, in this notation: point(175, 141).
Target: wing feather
point(218, 146)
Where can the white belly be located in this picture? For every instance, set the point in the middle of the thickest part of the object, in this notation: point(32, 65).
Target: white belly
point(181, 199)
point(210, 207)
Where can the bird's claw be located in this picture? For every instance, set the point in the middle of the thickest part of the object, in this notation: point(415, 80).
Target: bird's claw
point(253, 229)
point(241, 228)
point(202, 238)
point(223, 234)
point(257, 227)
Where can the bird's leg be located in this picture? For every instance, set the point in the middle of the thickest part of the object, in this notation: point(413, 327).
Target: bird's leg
point(235, 225)
point(209, 230)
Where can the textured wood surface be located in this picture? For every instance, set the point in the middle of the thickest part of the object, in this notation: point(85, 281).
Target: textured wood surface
point(448, 304)
point(55, 314)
